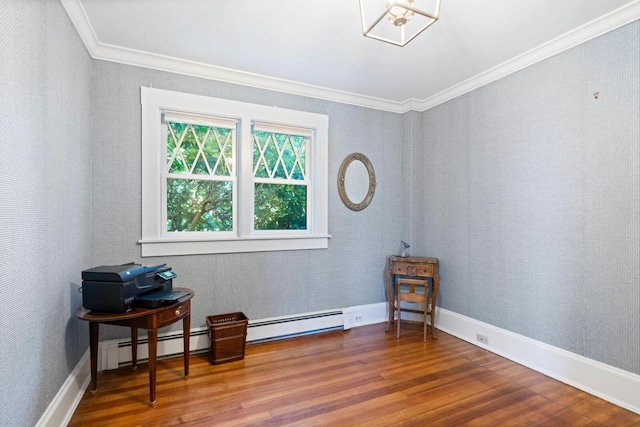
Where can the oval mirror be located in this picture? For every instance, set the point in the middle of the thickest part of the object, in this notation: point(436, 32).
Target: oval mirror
point(356, 181)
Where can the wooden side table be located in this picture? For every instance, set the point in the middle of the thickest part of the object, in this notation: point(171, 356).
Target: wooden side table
point(149, 319)
point(416, 267)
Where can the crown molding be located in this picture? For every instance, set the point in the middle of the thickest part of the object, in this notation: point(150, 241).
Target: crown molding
point(107, 52)
point(606, 23)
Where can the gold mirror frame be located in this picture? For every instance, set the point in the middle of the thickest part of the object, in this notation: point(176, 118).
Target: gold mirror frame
point(341, 179)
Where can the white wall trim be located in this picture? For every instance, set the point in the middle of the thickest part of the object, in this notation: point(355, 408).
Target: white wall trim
point(65, 402)
point(170, 343)
point(239, 116)
point(107, 52)
point(609, 22)
point(607, 382)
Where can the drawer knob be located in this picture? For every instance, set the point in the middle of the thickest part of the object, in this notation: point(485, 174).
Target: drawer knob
point(177, 312)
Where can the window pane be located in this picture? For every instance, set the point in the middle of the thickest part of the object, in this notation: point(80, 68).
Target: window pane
point(259, 163)
point(280, 207)
point(220, 149)
point(301, 164)
point(194, 205)
point(199, 149)
point(175, 158)
point(278, 155)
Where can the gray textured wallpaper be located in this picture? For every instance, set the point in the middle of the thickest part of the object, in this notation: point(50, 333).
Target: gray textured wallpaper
point(267, 284)
point(527, 190)
point(529, 196)
point(45, 204)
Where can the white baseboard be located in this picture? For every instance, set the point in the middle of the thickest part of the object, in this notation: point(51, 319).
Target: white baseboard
point(607, 382)
point(619, 387)
point(65, 402)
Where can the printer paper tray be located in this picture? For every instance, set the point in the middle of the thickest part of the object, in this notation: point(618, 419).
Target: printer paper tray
point(157, 299)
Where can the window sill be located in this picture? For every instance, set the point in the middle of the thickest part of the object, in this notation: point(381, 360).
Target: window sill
point(168, 247)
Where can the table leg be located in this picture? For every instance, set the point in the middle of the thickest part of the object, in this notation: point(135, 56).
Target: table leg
point(434, 301)
point(396, 297)
point(134, 348)
point(186, 329)
point(390, 297)
point(94, 329)
point(152, 335)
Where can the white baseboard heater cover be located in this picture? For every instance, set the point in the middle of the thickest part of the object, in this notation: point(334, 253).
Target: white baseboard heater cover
point(114, 353)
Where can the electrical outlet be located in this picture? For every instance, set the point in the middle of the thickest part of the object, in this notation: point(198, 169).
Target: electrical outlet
point(483, 339)
point(357, 319)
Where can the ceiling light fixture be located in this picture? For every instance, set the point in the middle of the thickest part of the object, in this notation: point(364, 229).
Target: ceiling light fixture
point(405, 19)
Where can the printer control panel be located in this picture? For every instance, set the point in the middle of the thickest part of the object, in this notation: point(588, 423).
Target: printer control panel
point(167, 274)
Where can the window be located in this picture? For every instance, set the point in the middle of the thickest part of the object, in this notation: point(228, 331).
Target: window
point(280, 178)
point(222, 176)
point(198, 174)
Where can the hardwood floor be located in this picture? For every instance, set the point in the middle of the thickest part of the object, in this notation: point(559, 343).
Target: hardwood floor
point(346, 378)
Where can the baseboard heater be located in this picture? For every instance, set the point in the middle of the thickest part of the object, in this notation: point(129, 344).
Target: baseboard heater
point(114, 353)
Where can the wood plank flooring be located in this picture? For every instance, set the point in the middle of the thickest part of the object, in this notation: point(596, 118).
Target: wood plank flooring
point(361, 377)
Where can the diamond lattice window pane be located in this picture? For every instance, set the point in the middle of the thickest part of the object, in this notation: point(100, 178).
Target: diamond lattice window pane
point(280, 171)
point(279, 156)
point(219, 152)
point(200, 165)
point(260, 143)
point(211, 150)
point(189, 147)
point(175, 158)
point(270, 156)
point(299, 168)
point(199, 149)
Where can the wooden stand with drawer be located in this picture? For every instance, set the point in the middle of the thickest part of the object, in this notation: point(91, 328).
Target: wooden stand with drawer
point(149, 319)
point(415, 267)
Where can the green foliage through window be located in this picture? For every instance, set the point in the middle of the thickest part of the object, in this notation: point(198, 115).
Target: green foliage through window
point(280, 207)
point(200, 173)
point(195, 205)
point(280, 191)
point(196, 199)
point(277, 155)
point(199, 149)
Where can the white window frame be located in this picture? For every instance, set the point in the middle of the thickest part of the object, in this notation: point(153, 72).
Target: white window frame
point(156, 242)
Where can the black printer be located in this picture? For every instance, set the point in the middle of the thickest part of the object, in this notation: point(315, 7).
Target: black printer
point(113, 288)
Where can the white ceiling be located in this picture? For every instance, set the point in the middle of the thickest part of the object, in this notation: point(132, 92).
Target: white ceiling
point(316, 48)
